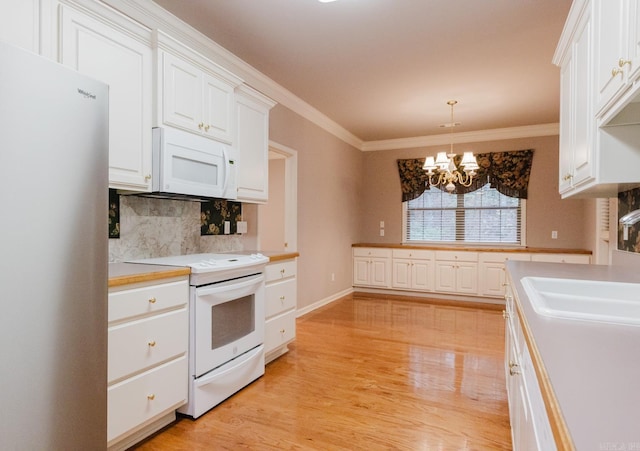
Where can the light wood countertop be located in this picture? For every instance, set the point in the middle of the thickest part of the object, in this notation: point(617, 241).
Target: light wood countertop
point(532, 250)
point(129, 273)
point(588, 371)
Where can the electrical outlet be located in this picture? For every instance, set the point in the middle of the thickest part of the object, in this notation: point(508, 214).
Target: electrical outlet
point(333, 277)
point(227, 227)
point(554, 234)
point(382, 224)
point(381, 232)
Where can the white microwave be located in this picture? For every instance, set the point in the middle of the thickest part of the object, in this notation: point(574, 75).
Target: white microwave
point(186, 164)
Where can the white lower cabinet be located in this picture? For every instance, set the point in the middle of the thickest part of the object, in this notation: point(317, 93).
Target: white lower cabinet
point(530, 427)
point(147, 358)
point(372, 267)
point(492, 272)
point(468, 273)
point(456, 272)
point(412, 269)
point(280, 308)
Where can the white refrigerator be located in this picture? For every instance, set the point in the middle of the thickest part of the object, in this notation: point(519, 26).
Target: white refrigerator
point(53, 255)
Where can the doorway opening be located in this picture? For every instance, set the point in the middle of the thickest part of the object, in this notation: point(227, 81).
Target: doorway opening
point(278, 217)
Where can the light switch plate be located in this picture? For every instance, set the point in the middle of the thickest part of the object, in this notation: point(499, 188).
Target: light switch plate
point(242, 226)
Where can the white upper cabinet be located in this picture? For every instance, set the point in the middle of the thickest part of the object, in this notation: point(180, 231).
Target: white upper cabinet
point(194, 93)
point(598, 54)
point(111, 48)
point(617, 50)
point(20, 24)
point(252, 142)
point(577, 123)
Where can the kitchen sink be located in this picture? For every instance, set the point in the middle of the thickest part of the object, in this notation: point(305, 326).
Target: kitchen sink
point(609, 302)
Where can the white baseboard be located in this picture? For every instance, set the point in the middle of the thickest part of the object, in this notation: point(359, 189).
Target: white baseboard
point(432, 295)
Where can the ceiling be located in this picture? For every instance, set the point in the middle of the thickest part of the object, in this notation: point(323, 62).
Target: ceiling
point(385, 69)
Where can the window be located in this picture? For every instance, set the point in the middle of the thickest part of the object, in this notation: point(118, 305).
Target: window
point(481, 216)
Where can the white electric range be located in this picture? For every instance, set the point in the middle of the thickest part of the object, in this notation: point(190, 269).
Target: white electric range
point(226, 330)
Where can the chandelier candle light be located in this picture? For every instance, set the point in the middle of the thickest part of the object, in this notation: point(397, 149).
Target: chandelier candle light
point(445, 168)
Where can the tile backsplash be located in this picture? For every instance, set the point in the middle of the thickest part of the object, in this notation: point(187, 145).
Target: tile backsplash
point(152, 227)
point(627, 202)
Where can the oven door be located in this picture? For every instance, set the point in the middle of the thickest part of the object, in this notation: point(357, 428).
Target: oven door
point(229, 321)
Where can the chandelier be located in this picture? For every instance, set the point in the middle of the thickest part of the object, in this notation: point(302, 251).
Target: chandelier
point(443, 171)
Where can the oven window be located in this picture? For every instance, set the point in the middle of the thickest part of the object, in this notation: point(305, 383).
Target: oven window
point(232, 320)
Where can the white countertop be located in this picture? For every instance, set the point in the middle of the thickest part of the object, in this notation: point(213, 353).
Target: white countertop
point(593, 368)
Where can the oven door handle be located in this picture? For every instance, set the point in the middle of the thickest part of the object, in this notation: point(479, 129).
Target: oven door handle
point(238, 362)
point(227, 288)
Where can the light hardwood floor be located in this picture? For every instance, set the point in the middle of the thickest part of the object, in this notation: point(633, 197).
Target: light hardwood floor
point(374, 373)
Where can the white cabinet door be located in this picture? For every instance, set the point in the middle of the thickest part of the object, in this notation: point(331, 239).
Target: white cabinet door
point(217, 109)
point(181, 93)
point(20, 23)
point(610, 47)
point(422, 276)
point(110, 54)
point(577, 121)
point(445, 276)
point(401, 277)
point(360, 271)
point(467, 278)
point(379, 272)
point(252, 142)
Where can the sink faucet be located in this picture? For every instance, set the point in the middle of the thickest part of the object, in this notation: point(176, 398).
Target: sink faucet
point(627, 221)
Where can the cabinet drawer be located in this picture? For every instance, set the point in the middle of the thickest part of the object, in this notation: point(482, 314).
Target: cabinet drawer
point(279, 330)
point(281, 296)
point(501, 257)
point(139, 399)
point(140, 344)
point(280, 270)
point(561, 258)
point(134, 302)
point(413, 254)
point(371, 252)
point(457, 256)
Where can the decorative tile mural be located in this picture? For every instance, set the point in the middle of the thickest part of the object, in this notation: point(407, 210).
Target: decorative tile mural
point(214, 213)
point(627, 202)
point(114, 214)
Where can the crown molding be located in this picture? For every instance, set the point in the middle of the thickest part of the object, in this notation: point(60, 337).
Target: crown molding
point(497, 134)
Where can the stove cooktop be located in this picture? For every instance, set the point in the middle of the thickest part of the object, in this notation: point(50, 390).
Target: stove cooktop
point(206, 263)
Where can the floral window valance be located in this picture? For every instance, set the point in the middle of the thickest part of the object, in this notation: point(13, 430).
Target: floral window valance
point(507, 172)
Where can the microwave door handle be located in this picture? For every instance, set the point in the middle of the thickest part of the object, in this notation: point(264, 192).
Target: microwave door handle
point(227, 171)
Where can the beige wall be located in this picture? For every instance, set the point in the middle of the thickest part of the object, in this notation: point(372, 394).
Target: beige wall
point(330, 174)
point(545, 210)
